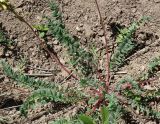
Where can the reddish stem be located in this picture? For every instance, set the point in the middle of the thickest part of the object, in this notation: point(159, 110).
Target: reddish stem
point(98, 92)
point(100, 77)
point(107, 49)
point(98, 103)
point(43, 45)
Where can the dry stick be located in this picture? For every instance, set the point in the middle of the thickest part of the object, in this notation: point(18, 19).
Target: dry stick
point(36, 75)
point(107, 49)
point(37, 115)
point(41, 69)
point(42, 44)
point(39, 75)
point(12, 107)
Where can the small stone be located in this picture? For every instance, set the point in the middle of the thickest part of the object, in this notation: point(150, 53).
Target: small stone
point(55, 42)
point(11, 37)
point(19, 10)
point(24, 38)
point(78, 29)
point(86, 17)
point(134, 10)
point(101, 33)
point(58, 48)
point(65, 16)
point(102, 39)
point(66, 2)
point(81, 25)
point(39, 18)
point(7, 54)
point(88, 30)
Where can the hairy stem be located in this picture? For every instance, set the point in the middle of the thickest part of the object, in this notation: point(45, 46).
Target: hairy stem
point(42, 44)
point(107, 49)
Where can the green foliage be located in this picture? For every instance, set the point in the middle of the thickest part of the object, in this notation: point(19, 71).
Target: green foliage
point(80, 57)
point(145, 109)
point(41, 96)
point(130, 80)
point(84, 61)
point(153, 67)
point(4, 40)
point(125, 45)
point(45, 92)
point(3, 120)
point(23, 79)
point(122, 51)
point(42, 30)
point(92, 82)
point(66, 121)
point(139, 98)
point(114, 108)
point(86, 119)
point(105, 115)
point(127, 33)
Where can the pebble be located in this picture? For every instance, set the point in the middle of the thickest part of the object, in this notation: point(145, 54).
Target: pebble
point(86, 17)
point(7, 54)
point(134, 10)
point(55, 42)
point(101, 33)
point(81, 25)
point(88, 30)
point(65, 16)
point(78, 29)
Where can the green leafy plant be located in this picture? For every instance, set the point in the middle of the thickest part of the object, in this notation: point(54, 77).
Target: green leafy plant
point(111, 98)
point(42, 30)
point(44, 91)
point(125, 44)
point(79, 57)
point(67, 121)
point(42, 96)
point(86, 119)
point(23, 79)
point(6, 5)
point(4, 40)
point(153, 67)
point(104, 117)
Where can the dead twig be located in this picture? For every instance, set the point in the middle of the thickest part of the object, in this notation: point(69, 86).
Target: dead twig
point(39, 75)
point(17, 106)
point(38, 115)
point(41, 69)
